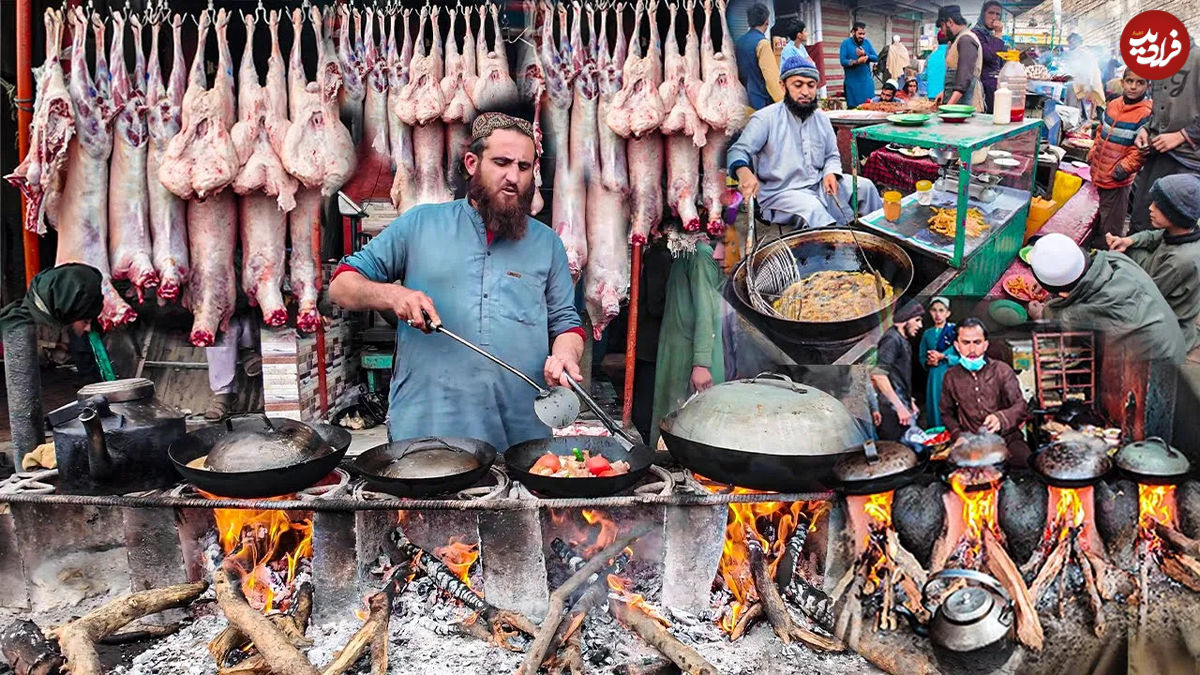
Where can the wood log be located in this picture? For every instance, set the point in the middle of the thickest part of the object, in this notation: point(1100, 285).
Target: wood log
point(379, 644)
point(78, 638)
point(141, 633)
point(1180, 541)
point(775, 609)
point(28, 651)
point(851, 606)
point(746, 620)
point(271, 642)
point(1029, 626)
point(1093, 592)
point(650, 630)
point(905, 559)
point(293, 625)
point(655, 667)
point(380, 612)
point(573, 654)
point(544, 635)
point(1175, 567)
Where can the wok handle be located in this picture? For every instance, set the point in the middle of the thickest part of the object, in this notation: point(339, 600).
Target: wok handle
point(970, 575)
point(462, 341)
point(604, 416)
point(427, 443)
point(780, 376)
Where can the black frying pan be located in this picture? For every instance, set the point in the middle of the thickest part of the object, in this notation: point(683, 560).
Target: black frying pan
point(521, 457)
point(404, 468)
point(255, 484)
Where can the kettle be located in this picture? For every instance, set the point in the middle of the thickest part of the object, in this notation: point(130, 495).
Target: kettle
point(113, 439)
point(971, 628)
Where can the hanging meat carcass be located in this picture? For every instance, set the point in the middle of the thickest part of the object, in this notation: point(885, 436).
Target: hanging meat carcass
point(684, 131)
point(267, 191)
point(494, 88)
point(212, 217)
point(201, 159)
point(128, 206)
point(83, 208)
point(606, 283)
point(354, 90)
point(404, 182)
point(317, 149)
point(421, 105)
point(637, 113)
point(374, 173)
point(457, 85)
point(532, 90)
point(570, 192)
point(168, 213)
point(41, 172)
point(720, 102)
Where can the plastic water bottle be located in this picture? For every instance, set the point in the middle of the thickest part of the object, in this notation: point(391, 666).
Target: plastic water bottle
point(1012, 77)
point(1002, 105)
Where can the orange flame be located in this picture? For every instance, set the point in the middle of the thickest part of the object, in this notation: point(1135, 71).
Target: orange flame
point(978, 507)
point(262, 544)
point(1156, 504)
point(608, 531)
point(619, 586)
point(746, 518)
point(459, 557)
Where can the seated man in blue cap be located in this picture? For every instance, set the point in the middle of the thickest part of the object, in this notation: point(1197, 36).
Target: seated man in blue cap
point(787, 157)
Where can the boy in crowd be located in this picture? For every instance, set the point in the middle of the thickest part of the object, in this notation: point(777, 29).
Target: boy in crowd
point(1115, 159)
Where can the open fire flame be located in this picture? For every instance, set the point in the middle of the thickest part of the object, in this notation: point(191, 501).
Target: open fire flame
point(773, 524)
point(459, 556)
point(1156, 504)
point(978, 491)
point(879, 508)
point(266, 548)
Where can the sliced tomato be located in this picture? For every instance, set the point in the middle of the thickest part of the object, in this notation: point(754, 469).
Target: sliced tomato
point(597, 465)
point(609, 473)
point(548, 462)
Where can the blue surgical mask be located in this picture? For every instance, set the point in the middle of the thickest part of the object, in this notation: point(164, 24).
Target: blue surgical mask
point(972, 364)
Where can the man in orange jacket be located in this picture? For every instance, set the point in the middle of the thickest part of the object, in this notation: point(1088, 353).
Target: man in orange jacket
point(1115, 159)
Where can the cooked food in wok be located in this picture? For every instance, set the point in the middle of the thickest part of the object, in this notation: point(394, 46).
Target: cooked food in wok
point(579, 464)
point(832, 295)
point(943, 222)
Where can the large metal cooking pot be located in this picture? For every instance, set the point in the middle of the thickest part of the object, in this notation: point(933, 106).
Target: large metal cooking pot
point(827, 249)
point(1072, 461)
point(1153, 462)
point(113, 439)
point(763, 433)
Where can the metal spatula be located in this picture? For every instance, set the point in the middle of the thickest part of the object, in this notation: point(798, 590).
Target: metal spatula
point(879, 290)
point(618, 433)
point(556, 407)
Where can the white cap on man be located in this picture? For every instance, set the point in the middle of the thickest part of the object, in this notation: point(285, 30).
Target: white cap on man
point(1057, 261)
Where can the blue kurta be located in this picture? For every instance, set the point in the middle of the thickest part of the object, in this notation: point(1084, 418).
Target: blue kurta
point(509, 298)
point(935, 71)
point(791, 158)
point(941, 340)
point(860, 86)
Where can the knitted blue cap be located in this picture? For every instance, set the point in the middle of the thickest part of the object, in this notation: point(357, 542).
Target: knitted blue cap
point(798, 66)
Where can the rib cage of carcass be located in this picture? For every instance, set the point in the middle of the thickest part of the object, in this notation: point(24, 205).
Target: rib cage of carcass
point(158, 177)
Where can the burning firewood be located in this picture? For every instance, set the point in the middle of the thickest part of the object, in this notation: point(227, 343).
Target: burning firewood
point(373, 631)
point(886, 575)
point(649, 629)
point(544, 636)
point(28, 651)
point(745, 621)
point(270, 641)
point(78, 638)
point(293, 625)
point(781, 620)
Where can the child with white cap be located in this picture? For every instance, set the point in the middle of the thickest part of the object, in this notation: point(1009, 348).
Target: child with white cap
point(1107, 292)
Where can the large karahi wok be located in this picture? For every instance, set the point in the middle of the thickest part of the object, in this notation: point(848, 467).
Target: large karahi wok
point(834, 250)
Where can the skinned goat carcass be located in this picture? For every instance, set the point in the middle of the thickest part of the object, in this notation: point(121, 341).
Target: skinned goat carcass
point(83, 209)
point(129, 244)
point(606, 282)
point(168, 213)
point(457, 84)
point(421, 106)
point(41, 173)
point(721, 101)
point(570, 192)
point(304, 226)
point(373, 175)
point(400, 140)
point(584, 150)
point(613, 169)
point(532, 90)
point(317, 148)
point(201, 159)
point(684, 131)
point(353, 90)
point(267, 191)
point(494, 88)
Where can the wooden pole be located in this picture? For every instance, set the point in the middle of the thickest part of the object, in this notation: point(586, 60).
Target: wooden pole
point(631, 335)
point(29, 240)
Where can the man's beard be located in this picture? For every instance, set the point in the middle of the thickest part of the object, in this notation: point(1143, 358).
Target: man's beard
point(858, 40)
point(507, 220)
point(800, 110)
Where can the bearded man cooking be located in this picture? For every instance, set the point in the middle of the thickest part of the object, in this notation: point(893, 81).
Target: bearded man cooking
point(787, 156)
point(491, 274)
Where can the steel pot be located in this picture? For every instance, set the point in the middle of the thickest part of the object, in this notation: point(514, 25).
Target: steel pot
point(877, 467)
point(763, 433)
point(1152, 462)
point(971, 628)
point(113, 439)
point(1072, 462)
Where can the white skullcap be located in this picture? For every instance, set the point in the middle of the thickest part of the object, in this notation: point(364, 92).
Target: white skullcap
point(895, 38)
point(1057, 260)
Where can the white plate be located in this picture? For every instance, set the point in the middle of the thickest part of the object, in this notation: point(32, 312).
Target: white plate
point(1006, 162)
point(999, 153)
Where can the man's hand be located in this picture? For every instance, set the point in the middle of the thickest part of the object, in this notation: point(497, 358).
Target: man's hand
point(860, 51)
point(558, 368)
point(1118, 244)
point(863, 59)
point(877, 417)
point(932, 357)
point(992, 423)
point(1036, 310)
point(1142, 140)
point(408, 307)
point(904, 416)
point(831, 184)
point(938, 99)
point(701, 378)
point(1168, 142)
point(747, 182)
point(955, 97)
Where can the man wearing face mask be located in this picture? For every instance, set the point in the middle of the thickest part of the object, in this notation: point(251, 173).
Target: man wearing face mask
point(980, 393)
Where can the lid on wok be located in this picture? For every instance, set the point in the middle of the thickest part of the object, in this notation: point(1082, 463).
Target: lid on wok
point(259, 444)
point(768, 415)
point(1074, 458)
point(429, 457)
point(891, 459)
point(118, 391)
point(976, 450)
point(1152, 457)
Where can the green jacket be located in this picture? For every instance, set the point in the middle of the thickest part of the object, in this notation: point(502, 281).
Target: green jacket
point(1174, 265)
point(1117, 298)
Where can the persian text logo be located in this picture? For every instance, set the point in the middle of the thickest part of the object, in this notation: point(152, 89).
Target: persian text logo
point(1155, 44)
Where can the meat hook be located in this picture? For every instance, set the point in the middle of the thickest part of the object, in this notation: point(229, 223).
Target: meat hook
point(259, 11)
